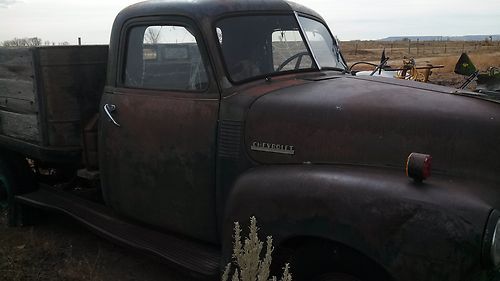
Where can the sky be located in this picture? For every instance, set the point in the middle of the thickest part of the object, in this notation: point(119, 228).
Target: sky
point(66, 20)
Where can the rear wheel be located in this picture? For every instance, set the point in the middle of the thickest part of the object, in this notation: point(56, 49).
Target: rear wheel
point(16, 178)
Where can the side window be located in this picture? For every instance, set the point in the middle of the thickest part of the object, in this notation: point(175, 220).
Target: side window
point(165, 57)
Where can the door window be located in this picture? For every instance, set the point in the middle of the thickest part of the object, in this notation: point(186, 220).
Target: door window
point(164, 57)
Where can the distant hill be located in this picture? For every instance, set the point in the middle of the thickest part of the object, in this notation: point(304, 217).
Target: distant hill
point(495, 37)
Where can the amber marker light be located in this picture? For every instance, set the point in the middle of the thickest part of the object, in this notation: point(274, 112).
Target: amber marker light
point(418, 166)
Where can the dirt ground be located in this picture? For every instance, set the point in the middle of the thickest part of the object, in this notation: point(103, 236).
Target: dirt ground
point(446, 53)
point(58, 248)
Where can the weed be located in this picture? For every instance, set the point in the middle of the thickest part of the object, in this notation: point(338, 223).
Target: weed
point(247, 261)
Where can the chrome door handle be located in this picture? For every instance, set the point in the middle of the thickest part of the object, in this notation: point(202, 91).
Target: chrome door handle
point(108, 108)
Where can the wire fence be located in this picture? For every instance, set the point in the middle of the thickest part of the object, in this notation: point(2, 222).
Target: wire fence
point(362, 50)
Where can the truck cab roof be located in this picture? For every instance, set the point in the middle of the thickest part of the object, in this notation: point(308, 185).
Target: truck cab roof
point(210, 9)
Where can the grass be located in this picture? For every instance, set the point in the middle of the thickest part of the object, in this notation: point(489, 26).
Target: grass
point(60, 249)
point(481, 61)
point(371, 50)
point(34, 254)
point(483, 55)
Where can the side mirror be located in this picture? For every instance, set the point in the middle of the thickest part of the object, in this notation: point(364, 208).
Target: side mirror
point(465, 66)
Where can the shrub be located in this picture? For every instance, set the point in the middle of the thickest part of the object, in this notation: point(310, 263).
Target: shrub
point(248, 263)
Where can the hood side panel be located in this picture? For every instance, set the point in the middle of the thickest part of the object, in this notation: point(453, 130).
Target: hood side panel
point(354, 121)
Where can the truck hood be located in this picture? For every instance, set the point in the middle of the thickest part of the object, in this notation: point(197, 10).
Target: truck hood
point(375, 122)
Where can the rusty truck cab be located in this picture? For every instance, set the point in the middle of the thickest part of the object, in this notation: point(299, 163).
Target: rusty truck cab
point(171, 66)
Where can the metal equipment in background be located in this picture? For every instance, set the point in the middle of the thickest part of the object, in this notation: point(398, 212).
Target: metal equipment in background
point(408, 71)
point(488, 82)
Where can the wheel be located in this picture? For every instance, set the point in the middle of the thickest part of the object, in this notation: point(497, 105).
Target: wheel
point(16, 178)
point(322, 260)
point(312, 263)
point(337, 276)
point(297, 56)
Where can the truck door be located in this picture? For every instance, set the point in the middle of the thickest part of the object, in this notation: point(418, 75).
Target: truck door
point(158, 129)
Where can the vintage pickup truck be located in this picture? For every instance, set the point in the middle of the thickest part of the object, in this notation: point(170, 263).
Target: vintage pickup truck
point(202, 113)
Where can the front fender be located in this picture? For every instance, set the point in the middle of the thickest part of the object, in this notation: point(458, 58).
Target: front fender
point(426, 231)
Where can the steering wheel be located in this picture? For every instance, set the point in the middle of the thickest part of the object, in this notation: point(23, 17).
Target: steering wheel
point(297, 56)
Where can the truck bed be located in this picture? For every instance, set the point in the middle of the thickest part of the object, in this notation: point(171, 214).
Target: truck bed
point(47, 97)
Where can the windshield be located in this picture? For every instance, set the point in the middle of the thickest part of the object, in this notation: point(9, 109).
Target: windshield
point(322, 44)
point(264, 45)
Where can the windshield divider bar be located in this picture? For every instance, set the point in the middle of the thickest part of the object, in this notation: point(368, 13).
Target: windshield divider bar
point(308, 44)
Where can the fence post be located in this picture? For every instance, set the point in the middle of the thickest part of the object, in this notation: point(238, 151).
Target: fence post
point(445, 47)
point(356, 49)
point(409, 46)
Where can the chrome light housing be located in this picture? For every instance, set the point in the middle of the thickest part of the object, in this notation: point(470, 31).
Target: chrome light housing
point(495, 245)
point(491, 242)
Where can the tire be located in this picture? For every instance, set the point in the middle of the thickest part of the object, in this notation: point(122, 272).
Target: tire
point(322, 260)
point(336, 276)
point(16, 178)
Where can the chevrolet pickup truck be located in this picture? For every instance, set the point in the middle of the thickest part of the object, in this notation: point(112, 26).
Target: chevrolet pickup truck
point(202, 113)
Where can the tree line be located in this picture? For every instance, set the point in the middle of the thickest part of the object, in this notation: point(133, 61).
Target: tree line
point(30, 42)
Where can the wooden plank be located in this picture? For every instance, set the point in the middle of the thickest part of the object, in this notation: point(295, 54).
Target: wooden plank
point(19, 126)
point(17, 56)
point(18, 105)
point(17, 92)
point(16, 63)
point(19, 89)
point(17, 96)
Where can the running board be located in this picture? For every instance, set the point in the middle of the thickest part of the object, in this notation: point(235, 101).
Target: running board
point(195, 257)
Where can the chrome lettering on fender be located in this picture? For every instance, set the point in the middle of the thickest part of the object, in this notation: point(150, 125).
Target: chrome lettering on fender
point(273, 148)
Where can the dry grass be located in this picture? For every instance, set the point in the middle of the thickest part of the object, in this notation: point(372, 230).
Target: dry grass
point(371, 50)
point(60, 249)
point(481, 61)
point(483, 54)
